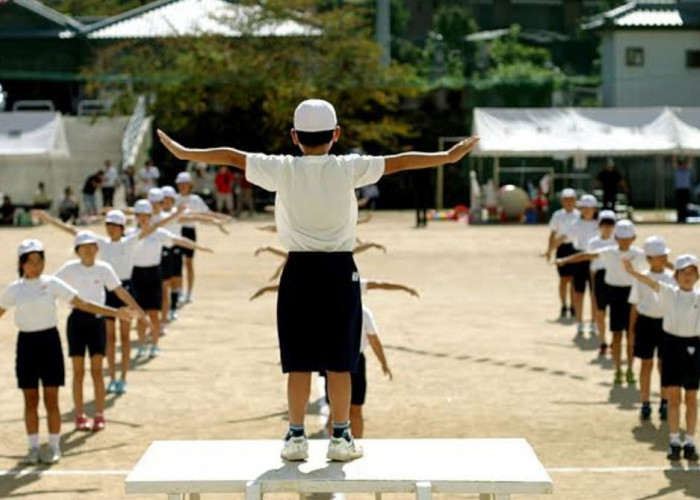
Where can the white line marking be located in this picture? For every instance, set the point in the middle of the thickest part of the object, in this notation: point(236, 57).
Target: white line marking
point(630, 468)
point(64, 473)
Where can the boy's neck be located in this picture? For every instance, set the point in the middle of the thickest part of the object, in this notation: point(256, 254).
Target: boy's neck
point(321, 150)
point(657, 270)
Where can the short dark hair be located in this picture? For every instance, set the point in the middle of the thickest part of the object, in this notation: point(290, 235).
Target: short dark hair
point(606, 222)
point(23, 260)
point(312, 139)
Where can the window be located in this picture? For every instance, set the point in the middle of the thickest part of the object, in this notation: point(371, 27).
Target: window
point(634, 56)
point(692, 58)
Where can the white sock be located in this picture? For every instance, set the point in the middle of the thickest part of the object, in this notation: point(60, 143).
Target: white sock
point(33, 440)
point(55, 441)
point(675, 438)
point(689, 440)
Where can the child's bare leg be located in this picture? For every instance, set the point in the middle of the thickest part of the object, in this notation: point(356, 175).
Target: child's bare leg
point(691, 412)
point(110, 327)
point(630, 351)
point(165, 307)
point(674, 403)
point(663, 391)
point(570, 284)
point(594, 306)
point(154, 316)
point(578, 306)
point(125, 330)
point(600, 321)
point(98, 383)
point(617, 349)
point(562, 291)
point(339, 389)
point(298, 391)
point(645, 380)
point(141, 331)
point(357, 421)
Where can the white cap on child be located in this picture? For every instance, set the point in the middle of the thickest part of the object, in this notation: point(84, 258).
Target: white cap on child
point(607, 215)
point(155, 195)
point(567, 193)
point(587, 201)
point(315, 115)
point(143, 207)
point(183, 178)
point(84, 238)
point(655, 246)
point(624, 229)
point(115, 217)
point(686, 260)
point(169, 192)
point(29, 246)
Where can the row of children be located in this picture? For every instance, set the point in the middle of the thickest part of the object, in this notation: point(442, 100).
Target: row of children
point(653, 302)
point(124, 275)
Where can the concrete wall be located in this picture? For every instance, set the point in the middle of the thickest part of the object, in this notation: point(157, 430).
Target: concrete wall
point(90, 142)
point(664, 78)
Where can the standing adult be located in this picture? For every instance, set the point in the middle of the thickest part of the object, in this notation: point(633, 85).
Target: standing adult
point(92, 184)
point(683, 182)
point(611, 182)
point(110, 181)
point(147, 178)
point(129, 181)
point(223, 193)
point(369, 196)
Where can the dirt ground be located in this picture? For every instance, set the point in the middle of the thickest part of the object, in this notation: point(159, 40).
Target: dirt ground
point(480, 354)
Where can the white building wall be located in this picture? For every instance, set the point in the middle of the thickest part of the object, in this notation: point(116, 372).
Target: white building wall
point(664, 78)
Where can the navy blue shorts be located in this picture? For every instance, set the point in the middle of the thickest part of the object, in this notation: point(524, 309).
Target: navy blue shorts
point(191, 233)
point(177, 262)
point(358, 381)
point(618, 300)
point(166, 264)
point(148, 288)
point(39, 357)
point(86, 332)
point(116, 302)
point(319, 312)
point(566, 250)
point(582, 276)
point(600, 289)
point(681, 366)
point(648, 333)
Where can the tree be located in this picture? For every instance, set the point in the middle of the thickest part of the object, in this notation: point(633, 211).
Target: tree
point(94, 7)
point(246, 89)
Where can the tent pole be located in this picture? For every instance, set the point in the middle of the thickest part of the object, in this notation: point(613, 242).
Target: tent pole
point(496, 173)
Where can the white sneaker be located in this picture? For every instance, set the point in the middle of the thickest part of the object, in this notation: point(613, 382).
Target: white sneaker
point(295, 449)
point(342, 450)
point(32, 457)
point(52, 457)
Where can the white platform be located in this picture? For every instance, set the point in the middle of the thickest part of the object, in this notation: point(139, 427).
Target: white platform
point(494, 468)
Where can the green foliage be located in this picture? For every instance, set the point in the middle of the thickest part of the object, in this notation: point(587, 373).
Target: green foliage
point(94, 7)
point(247, 88)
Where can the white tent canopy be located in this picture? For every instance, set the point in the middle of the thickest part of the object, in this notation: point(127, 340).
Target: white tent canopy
point(32, 134)
point(581, 132)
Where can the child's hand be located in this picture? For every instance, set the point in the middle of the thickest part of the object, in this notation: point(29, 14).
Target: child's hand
point(206, 250)
point(627, 264)
point(387, 372)
point(222, 228)
point(462, 148)
point(257, 294)
point(125, 314)
point(559, 262)
point(413, 292)
point(177, 150)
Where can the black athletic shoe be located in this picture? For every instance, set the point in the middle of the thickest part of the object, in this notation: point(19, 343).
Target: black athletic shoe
point(663, 412)
point(689, 453)
point(674, 452)
point(572, 313)
point(562, 313)
point(645, 412)
point(602, 350)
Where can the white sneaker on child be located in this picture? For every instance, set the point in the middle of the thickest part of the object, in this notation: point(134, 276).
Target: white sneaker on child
point(295, 449)
point(53, 456)
point(343, 449)
point(32, 457)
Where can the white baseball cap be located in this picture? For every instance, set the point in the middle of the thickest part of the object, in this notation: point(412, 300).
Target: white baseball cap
point(315, 115)
point(567, 193)
point(624, 229)
point(115, 217)
point(607, 215)
point(183, 178)
point(29, 246)
point(587, 201)
point(655, 246)
point(84, 238)
point(143, 207)
point(686, 260)
point(169, 192)
point(155, 195)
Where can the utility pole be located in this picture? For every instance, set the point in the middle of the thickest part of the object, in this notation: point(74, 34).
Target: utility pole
point(383, 30)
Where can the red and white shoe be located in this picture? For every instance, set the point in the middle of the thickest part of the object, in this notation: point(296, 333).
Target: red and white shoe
point(82, 424)
point(98, 424)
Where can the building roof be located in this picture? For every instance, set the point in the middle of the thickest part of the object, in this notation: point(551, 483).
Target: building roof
point(667, 14)
point(64, 26)
point(529, 35)
point(177, 18)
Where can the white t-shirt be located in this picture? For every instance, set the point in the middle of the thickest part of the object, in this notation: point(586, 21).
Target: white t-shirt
point(646, 299)
point(369, 327)
point(195, 205)
point(119, 254)
point(156, 218)
point(35, 301)
point(596, 244)
point(148, 177)
point(315, 206)
point(90, 281)
point(110, 178)
point(581, 232)
point(681, 311)
point(615, 274)
point(149, 250)
point(562, 221)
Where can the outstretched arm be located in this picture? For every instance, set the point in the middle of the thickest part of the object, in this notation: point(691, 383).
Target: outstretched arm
point(578, 257)
point(416, 160)
point(192, 245)
point(161, 223)
point(44, 216)
point(279, 270)
point(365, 219)
point(378, 350)
point(218, 156)
point(205, 218)
point(651, 283)
point(264, 290)
point(366, 246)
point(270, 228)
point(272, 250)
point(93, 308)
point(383, 285)
point(129, 300)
